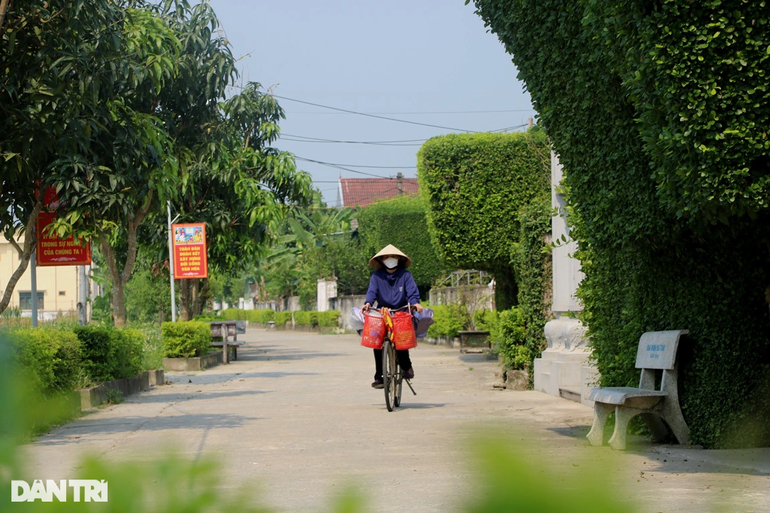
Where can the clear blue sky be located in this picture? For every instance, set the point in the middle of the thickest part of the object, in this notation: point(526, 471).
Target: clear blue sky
point(425, 61)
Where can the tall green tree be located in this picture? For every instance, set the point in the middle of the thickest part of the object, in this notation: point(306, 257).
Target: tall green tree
point(242, 190)
point(129, 167)
point(57, 71)
point(315, 244)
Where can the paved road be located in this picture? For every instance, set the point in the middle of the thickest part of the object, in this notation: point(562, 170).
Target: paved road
point(296, 414)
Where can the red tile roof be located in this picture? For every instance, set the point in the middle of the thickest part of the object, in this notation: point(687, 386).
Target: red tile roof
point(360, 192)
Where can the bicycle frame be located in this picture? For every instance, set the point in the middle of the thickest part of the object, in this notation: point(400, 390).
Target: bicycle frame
point(392, 373)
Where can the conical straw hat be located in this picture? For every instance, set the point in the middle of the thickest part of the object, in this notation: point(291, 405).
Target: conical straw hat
point(390, 249)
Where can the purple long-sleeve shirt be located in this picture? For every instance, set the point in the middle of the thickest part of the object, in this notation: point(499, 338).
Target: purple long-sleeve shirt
point(392, 290)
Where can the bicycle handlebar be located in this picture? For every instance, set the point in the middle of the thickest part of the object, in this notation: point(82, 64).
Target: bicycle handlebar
point(408, 306)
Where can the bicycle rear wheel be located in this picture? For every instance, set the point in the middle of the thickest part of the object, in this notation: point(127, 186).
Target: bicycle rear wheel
point(389, 369)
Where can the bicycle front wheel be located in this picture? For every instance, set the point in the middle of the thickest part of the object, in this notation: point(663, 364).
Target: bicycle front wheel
point(399, 382)
point(389, 369)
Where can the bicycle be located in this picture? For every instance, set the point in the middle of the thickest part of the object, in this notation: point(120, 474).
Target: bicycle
point(392, 373)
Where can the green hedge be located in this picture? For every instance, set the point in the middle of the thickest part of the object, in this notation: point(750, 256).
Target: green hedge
point(310, 318)
point(281, 318)
point(447, 320)
point(509, 335)
point(257, 316)
point(50, 358)
point(476, 185)
point(110, 353)
point(657, 113)
point(186, 339)
point(534, 274)
point(329, 319)
point(403, 223)
point(306, 318)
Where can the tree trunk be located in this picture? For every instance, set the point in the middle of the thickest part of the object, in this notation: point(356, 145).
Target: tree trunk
point(25, 253)
point(121, 277)
point(193, 295)
point(201, 298)
point(3, 10)
point(188, 291)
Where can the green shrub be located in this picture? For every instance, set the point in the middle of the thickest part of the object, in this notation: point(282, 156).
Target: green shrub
point(485, 320)
point(186, 339)
point(153, 350)
point(111, 353)
point(255, 316)
point(447, 320)
point(281, 318)
point(510, 338)
point(329, 319)
point(50, 357)
point(306, 318)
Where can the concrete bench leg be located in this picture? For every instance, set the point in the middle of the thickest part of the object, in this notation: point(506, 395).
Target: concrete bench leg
point(601, 412)
point(672, 414)
point(623, 416)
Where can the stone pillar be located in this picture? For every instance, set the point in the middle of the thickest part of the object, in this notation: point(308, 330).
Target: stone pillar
point(564, 369)
point(326, 290)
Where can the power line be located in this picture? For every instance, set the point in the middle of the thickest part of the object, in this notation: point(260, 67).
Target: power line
point(373, 115)
point(377, 167)
point(431, 112)
point(337, 166)
point(402, 142)
point(287, 137)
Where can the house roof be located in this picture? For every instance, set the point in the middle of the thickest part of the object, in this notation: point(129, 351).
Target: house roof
point(360, 192)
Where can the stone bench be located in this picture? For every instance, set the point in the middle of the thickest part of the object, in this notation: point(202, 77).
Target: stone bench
point(225, 329)
point(659, 408)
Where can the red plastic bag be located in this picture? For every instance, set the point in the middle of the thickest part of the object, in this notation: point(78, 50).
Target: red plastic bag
point(403, 331)
point(374, 330)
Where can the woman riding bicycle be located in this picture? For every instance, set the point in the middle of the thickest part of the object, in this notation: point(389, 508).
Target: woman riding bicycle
point(392, 286)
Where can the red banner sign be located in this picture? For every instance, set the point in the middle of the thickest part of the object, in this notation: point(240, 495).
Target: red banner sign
point(190, 251)
point(52, 250)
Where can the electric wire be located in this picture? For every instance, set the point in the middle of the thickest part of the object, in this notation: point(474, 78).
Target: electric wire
point(329, 164)
point(373, 115)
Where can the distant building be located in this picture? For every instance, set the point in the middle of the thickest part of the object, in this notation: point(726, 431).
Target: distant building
point(360, 192)
point(57, 287)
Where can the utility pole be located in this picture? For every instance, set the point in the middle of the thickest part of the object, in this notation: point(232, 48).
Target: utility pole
point(400, 183)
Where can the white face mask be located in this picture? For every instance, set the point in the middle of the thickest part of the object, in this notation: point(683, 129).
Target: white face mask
point(390, 262)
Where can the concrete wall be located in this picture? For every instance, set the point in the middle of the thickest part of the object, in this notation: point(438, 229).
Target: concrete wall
point(289, 304)
point(480, 296)
point(343, 304)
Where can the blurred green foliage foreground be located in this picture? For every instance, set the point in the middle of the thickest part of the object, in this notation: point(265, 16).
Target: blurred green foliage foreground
point(173, 485)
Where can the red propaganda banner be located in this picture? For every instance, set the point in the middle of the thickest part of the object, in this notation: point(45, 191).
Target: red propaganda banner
point(190, 251)
point(52, 250)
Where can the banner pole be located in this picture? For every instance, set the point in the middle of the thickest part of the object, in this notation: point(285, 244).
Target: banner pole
point(33, 286)
point(171, 263)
